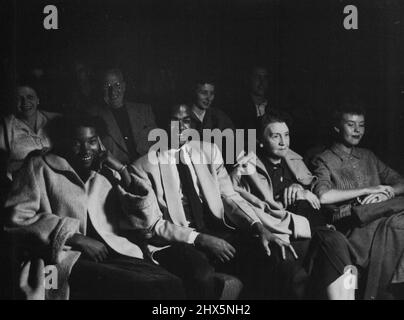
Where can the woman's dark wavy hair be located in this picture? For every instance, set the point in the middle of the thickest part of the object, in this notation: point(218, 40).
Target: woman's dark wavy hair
point(355, 107)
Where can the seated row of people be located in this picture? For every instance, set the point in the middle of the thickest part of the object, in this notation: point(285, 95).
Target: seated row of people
point(127, 123)
point(195, 219)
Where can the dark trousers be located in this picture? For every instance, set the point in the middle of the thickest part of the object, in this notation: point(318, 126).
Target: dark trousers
point(121, 277)
point(263, 276)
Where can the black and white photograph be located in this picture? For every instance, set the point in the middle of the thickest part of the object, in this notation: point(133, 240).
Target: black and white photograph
point(217, 152)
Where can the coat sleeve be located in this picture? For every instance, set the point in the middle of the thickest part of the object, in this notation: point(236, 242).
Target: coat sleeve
point(243, 188)
point(147, 217)
point(237, 210)
point(27, 219)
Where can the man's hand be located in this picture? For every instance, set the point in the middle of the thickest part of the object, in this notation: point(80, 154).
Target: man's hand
point(32, 280)
point(268, 237)
point(246, 163)
point(310, 197)
point(220, 248)
point(290, 194)
point(375, 198)
point(93, 249)
point(107, 158)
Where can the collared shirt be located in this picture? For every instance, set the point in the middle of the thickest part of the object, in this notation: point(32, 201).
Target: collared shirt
point(336, 169)
point(22, 139)
point(184, 152)
point(261, 108)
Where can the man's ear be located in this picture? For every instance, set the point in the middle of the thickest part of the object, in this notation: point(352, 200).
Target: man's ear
point(336, 129)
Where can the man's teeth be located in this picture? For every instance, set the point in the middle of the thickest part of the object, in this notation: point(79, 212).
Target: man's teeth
point(87, 158)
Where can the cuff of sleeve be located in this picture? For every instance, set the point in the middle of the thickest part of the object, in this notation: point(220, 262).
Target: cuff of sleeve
point(65, 229)
point(192, 237)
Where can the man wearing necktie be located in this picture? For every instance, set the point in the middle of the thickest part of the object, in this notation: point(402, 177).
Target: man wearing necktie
point(195, 224)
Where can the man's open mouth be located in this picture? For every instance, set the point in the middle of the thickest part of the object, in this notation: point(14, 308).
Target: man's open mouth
point(86, 158)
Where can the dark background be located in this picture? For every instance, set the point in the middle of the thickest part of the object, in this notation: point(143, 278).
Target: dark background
point(161, 45)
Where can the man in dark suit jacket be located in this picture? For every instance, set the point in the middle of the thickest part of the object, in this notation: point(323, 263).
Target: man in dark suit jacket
point(255, 103)
point(127, 123)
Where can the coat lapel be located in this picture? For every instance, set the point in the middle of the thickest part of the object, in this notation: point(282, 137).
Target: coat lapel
point(113, 128)
point(300, 171)
point(171, 187)
point(60, 164)
point(209, 187)
point(263, 186)
point(136, 121)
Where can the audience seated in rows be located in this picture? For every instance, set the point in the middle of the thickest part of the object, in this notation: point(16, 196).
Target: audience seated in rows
point(270, 223)
point(277, 181)
point(198, 224)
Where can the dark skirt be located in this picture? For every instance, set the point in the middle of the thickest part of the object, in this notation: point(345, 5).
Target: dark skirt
point(374, 250)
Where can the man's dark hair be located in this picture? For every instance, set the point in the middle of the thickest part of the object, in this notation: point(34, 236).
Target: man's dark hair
point(347, 107)
point(175, 106)
point(62, 129)
point(204, 78)
point(272, 117)
point(115, 71)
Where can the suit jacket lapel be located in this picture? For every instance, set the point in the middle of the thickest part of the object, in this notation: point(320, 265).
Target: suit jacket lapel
point(113, 129)
point(209, 187)
point(136, 123)
point(171, 187)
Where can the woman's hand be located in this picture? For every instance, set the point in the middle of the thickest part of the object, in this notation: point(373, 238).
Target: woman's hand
point(310, 197)
point(290, 194)
point(388, 190)
point(375, 198)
